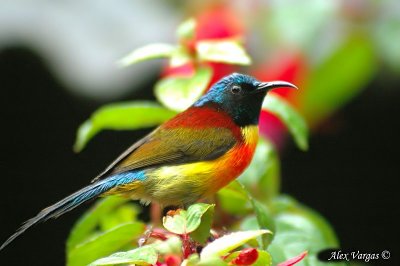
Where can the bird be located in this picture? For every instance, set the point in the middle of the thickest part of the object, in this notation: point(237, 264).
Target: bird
point(185, 159)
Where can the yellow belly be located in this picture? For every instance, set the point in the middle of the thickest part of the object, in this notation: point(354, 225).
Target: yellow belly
point(184, 184)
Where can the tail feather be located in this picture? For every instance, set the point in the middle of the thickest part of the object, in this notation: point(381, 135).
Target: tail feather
point(72, 201)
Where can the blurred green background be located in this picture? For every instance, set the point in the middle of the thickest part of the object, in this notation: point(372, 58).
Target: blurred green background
point(57, 67)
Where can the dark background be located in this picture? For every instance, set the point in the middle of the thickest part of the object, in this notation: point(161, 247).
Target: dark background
point(349, 174)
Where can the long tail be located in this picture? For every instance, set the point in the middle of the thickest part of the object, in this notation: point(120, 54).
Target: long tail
point(74, 200)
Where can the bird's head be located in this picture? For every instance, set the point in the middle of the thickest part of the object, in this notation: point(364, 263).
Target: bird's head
point(240, 96)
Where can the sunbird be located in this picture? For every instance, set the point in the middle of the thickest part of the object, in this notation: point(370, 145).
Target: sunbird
point(189, 157)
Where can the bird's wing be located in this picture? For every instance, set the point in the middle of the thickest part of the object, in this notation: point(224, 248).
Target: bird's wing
point(172, 147)
point(128, 151)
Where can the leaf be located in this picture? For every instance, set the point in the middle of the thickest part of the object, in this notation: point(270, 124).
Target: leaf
point(192, 260)
point(301, 26)
point(105, 243)
point(262, 177)
point(385, 38)
point(264, 259)
point(211, 261)
point(186, 30)
point(265, 221)
point(342, 76)
point(202, 232)
point(186, 222)
point(85, 226)
point(178, 93)
point(226, 243)
point(227, 51)
point(299, 229)
point(180, 57)
point(290, 117)
point(123, 214)
point(151, 51)
point(145, 255)
point(194, 215)
point(172, 245)
point(249, 223)
point(177, 223)
point(121, 116)
point(234, 198)
point(286, 204)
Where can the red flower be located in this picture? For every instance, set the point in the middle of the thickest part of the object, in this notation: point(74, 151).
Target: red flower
point(213, 23)
point(172, 260)
point(294, 260)
point(186, 70)
point(286, 66)
point(218, 22)
point(246, 257)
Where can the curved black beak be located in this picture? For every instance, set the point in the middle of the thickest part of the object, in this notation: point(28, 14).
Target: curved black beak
point(266, 86)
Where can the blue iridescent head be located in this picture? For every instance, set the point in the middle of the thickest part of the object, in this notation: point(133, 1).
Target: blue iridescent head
point(240, 96)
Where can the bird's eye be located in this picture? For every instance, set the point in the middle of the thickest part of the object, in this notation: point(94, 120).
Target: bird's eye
point(236, 89)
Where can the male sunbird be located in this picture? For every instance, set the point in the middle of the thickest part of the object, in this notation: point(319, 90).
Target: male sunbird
point(187, 158)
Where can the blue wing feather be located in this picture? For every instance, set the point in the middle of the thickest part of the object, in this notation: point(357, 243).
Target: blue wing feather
point(76, 199)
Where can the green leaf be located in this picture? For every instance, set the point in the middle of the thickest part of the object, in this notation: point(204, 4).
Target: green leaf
point(202, 232)
point(290, 117)
point(186, 30)
point(226, 243)
point(262, 177)
point(265, 220)
point(123, 214)
point(299, 229)
point(194, 215)
point(234, 198)
point(105, 243)
point(385, 38)
point(342, 76)
point(286, 204)
point(172, 245)
point(178, 93)
point(151, 51)
point(186, 222)
point(212, 261)
point(85, 226)
point(264, 259)
point(180, 57)
point(223, 51)
point(192, 260)
point(121, 116)
point(249, 223)
point(301, 26)
point(145, 255)
point(177, 223)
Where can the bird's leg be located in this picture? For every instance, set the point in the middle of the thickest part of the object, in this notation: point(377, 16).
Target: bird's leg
point(155, 214)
